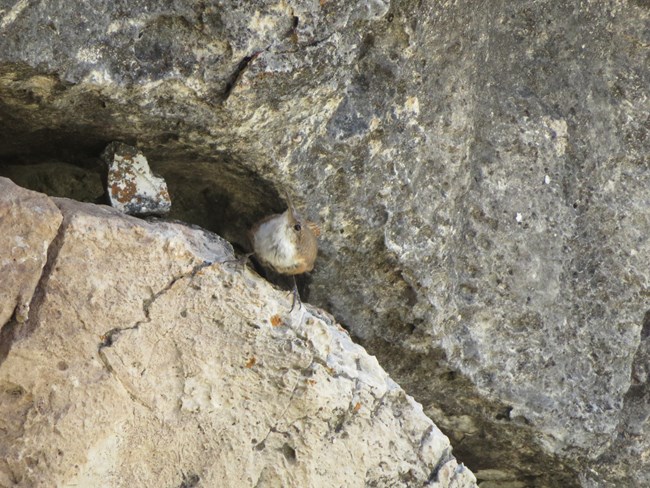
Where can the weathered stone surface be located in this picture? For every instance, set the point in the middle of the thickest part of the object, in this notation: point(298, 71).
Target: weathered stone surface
point(479, 171)
point(131, 186)
point(30, 221)
point(59, 180)
point(143, 364)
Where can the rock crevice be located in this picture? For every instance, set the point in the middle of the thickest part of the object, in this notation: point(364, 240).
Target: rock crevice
point(479, 172)
point(151, 359)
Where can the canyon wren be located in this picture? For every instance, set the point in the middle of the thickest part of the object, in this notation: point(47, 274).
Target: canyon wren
point(286, 244)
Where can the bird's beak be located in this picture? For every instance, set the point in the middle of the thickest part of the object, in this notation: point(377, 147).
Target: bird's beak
point(292, 209)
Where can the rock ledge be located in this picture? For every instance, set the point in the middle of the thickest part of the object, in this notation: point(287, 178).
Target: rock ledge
point(145, 362)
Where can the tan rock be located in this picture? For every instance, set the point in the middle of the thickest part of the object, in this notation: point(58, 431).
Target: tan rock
point(149, 366)
point(29, 223)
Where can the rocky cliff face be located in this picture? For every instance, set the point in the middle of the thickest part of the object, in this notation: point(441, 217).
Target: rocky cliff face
point(144, 362)
point(479, 171)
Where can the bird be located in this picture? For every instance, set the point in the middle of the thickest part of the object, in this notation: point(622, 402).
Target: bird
point(287, 244)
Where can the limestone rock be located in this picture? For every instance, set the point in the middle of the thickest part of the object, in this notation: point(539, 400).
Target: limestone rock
point(30, 221)
point(148, 363)
point(131, 186)
point(479, 171)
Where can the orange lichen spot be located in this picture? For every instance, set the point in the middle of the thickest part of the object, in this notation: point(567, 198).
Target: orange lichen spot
point(251, 362)
point(311, 382)
point(276, 320)
point(357, 407)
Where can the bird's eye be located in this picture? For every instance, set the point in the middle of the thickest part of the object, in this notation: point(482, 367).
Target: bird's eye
point(297, 227)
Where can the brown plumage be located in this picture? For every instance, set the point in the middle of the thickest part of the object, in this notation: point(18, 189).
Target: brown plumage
point(286, 244)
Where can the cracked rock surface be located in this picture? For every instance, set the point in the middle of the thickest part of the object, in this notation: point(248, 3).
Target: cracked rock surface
point(145, 362)
point(23, 247)
point(479, 171)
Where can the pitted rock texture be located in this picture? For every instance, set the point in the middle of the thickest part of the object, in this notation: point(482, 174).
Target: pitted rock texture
point(145, 362)
point(479, 171)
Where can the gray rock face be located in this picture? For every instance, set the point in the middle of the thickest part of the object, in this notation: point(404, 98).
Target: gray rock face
point(479, 171)
point(146, 362)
